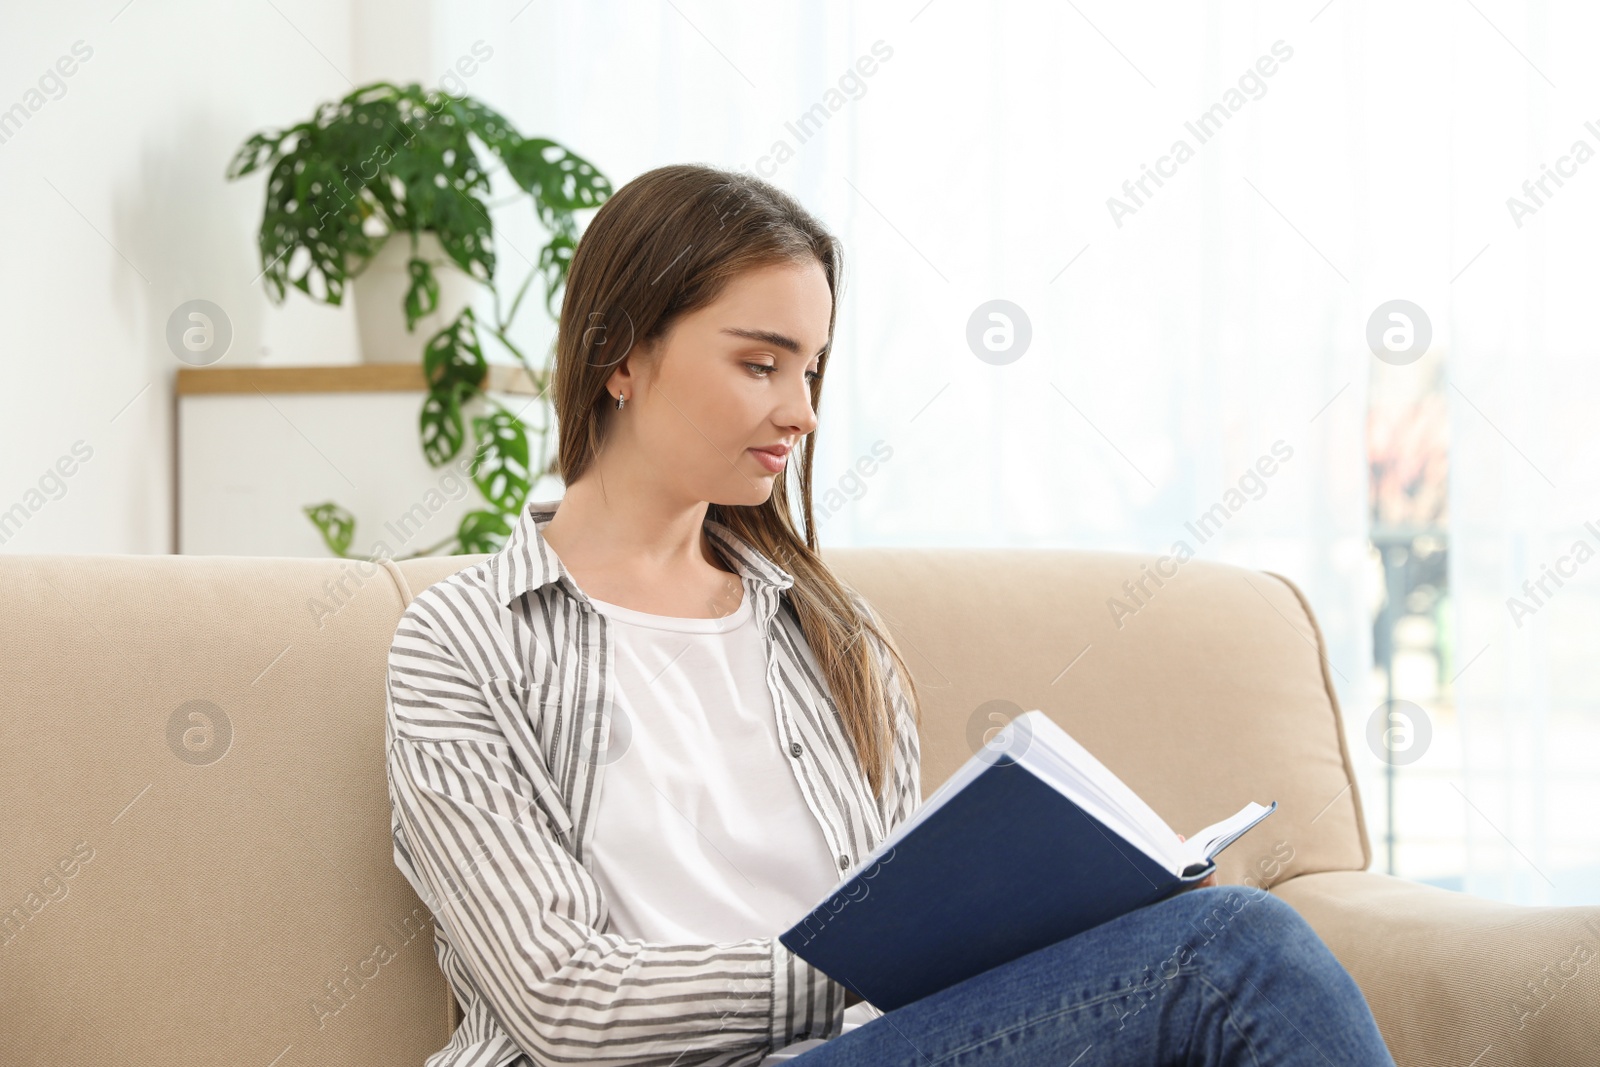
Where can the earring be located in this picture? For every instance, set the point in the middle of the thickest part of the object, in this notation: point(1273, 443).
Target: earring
point(621, 399)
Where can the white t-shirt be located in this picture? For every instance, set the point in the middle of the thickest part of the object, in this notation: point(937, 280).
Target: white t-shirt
point(703, 833)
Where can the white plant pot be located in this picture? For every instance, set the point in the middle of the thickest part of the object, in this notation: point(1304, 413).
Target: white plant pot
point(380, 293)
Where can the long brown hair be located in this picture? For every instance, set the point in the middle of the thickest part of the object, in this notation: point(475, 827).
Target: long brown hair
point(665, 245)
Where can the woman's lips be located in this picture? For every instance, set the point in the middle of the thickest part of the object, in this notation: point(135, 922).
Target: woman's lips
point(772, 462)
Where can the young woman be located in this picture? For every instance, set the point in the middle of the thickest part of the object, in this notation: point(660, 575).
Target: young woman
point(633, 746)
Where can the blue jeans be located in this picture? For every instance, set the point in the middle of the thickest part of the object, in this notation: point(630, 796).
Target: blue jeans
point(1219, 975)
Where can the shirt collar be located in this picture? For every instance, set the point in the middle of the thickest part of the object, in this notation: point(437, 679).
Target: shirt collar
point(527, 562)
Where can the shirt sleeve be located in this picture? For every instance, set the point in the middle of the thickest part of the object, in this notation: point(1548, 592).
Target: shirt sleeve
point(525, 917)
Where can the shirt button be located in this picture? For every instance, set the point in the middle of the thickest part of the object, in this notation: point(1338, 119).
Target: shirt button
point(844, 863)
point(794, 748)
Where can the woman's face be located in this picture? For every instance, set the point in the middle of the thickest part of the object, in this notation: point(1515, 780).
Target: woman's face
point(729, 378)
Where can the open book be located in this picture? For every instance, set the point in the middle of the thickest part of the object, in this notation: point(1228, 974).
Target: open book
point(1030, 841)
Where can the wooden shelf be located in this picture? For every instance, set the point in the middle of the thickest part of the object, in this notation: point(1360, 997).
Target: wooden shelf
point(337, 378)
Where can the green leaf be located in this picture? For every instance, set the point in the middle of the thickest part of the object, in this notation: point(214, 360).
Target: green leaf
point(253, 154)
point(461, 222)
point(454, 366)
point(500, 466)
point(490, 126)
point(483, 531)
point(442, 428)
point(338, 526)
point(311, 207)
point(560, 180)
point(453, 356)
point(422, 297)
point(555, 260)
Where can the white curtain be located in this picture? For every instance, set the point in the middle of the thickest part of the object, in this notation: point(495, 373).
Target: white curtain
point(1199, 326)
point(1525, 457)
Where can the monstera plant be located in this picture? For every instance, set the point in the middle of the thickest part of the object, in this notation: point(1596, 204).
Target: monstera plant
point(404, 163)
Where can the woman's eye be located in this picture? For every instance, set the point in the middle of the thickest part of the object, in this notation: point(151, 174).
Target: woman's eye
point(761, 370)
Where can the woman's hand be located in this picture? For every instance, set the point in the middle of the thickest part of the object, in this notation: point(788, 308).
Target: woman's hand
point(1211, 879)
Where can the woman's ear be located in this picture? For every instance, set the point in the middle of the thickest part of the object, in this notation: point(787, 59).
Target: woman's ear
point(633, 372)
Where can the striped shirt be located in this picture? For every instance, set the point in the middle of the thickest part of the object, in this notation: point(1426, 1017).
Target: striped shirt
point(500, 689)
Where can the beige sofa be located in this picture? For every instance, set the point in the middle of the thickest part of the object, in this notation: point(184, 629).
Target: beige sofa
point(197, 865)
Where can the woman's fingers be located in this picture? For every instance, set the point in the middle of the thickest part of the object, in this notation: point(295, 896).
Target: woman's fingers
point(1211, 879)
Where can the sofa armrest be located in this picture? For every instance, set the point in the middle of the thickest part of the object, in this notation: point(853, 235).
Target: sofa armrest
point(1457, 979)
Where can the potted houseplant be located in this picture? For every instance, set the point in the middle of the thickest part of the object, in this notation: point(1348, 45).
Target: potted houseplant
point(385, 190)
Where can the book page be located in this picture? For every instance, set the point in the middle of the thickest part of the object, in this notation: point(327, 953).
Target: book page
point(1219, 835)
point(1060, 760)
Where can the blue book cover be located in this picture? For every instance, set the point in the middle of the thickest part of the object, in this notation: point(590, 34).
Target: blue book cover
point(999, 862)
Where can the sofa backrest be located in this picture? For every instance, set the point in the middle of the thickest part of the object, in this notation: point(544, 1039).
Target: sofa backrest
point(197, 863)
point(1207, 690)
